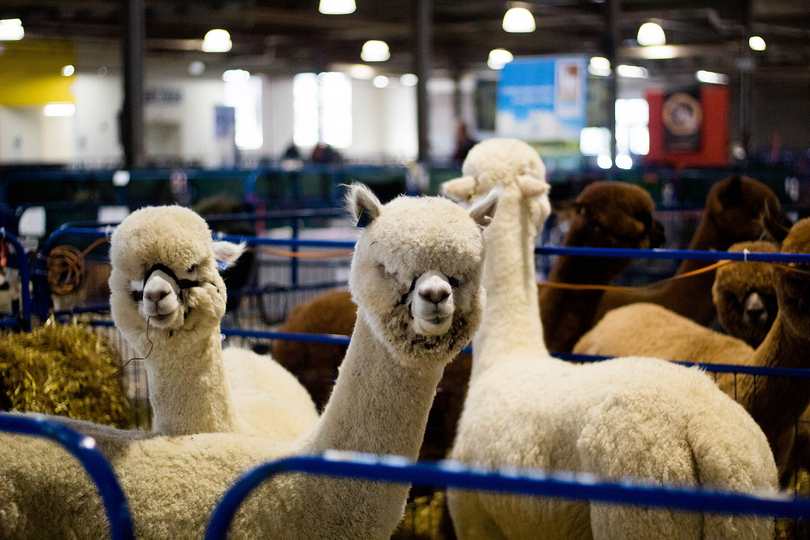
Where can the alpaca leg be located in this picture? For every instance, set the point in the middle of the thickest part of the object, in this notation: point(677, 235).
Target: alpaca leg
point(476, 523)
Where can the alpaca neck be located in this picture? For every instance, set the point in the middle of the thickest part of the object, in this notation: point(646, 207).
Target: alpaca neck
point(379, 404)
point(188, 389)
point(512, 314)
point(776, 402)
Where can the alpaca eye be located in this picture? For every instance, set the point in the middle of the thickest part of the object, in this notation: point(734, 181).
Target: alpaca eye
point(191, 268)
point(137, 296)
point(453, 282)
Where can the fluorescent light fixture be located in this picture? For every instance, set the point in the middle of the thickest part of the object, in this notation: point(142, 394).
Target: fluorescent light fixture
point(518, 20)
point(711, 77)
point(624, 161)
point(658, 52)
point(337, 7)
point(217, 41)
point(11, 30)
point(68, 70)
point(409, 79)
point(196, 68)
point(60, 109)
point(604, 161)
point(375, 51)
point(632, 72)
point(499, 58)
point(599, 66)
point(756, 43)
point(380, 81)
point(651, 34)
point(236, 75)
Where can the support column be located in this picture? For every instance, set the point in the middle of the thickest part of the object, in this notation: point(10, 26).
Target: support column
point(423, 16)
point(132, 117)
point(612, 54)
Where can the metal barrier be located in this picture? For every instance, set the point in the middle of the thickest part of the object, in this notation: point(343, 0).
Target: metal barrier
point(83, 448)
point(566, 485)
point(23, 318)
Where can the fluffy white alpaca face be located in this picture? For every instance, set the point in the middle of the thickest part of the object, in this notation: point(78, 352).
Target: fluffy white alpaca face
point(164, 274)
point(416, 272)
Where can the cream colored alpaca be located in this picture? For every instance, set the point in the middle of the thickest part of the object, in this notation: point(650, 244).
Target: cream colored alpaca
point(774, 402)
point(630, 417)
point(416, 277)
point(167, 299)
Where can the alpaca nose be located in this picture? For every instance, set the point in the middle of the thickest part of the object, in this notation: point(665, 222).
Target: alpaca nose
point(156, 295)
point(435, 295)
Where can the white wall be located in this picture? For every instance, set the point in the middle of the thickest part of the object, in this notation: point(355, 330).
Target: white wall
point(20, 139)
point(98, 101)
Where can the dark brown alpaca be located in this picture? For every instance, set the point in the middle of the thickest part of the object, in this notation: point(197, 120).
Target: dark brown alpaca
point(738, 209)
point(610, 215)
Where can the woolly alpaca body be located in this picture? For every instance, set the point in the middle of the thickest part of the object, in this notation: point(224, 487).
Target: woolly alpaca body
point(167, 298)
point(638, 417)
point(607, 214)
point(774, 402)
point(380, 404)
point(737, 209)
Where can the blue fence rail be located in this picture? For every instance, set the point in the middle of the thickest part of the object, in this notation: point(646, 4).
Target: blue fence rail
point(83, 448)
point(566, 485)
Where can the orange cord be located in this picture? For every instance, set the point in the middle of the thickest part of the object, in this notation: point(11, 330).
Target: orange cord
point(66, 267)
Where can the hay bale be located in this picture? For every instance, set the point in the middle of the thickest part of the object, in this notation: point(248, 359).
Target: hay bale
point(64, 370)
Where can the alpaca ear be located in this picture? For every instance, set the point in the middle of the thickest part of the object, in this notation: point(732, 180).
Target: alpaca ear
point(363, 204)
point(483, 210)
point(531, 186)
point(461, 189)
point(226, 253)
point(732, 193)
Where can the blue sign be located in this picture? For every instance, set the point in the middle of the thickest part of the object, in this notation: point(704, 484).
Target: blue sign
point(542, 99)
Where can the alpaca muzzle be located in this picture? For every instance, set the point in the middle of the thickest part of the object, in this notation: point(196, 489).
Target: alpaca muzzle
point(182, 284)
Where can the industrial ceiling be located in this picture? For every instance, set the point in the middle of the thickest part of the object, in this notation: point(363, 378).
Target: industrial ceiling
point(289, 36)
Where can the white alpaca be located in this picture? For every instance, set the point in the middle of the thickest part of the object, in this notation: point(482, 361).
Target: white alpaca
point(630, 417)
point(416, 277)
point(167, 299)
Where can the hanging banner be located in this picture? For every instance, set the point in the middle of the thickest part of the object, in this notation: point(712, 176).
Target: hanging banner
point(542, 99)
point(682, 116)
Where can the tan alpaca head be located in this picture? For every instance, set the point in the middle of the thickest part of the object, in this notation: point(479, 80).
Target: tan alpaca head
point(164, 271)
point(509, 163)
point(416, 271)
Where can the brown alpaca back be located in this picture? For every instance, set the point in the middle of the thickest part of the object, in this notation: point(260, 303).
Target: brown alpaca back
point(738, 209)
point(607, 214)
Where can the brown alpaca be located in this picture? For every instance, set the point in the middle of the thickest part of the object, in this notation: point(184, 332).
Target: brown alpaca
point(744, 295)
point(607, 214)
point(774, 402)
point(737, 209)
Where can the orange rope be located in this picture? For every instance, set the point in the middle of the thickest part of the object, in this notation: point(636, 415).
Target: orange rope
point(585, 287)
point(66, 267)
point(298, 255)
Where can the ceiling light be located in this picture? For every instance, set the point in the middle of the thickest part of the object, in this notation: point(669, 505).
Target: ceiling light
point(236, 75)
point(196, 67)
point(361, 71)
point(624, 161)
point(658, 52)
point(711, 77)
point(518, 20)
point(375, 51)
point(499, 58)
point(60, 109)
point(337, 7)
point(380, 81)
point(633, 72)
point(217, 41)
point(651, 34)
point(409, 79)
point(68, 70)
point(11, 30)
point(599, 66)
point(604, 161)
point(756, 43)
